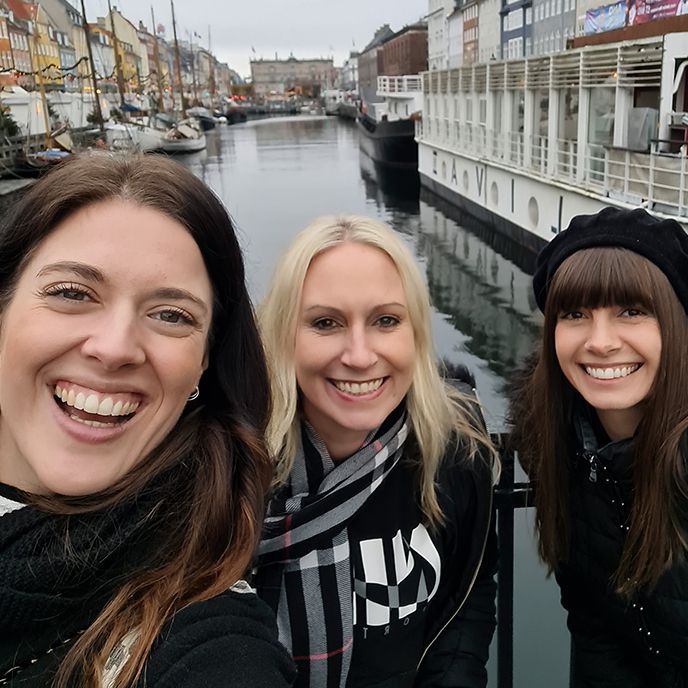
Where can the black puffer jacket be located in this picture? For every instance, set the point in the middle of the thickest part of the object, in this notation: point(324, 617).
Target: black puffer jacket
point(640, 643)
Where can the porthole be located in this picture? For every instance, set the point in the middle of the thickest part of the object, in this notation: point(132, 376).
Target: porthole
point(494, 194)
point(533, 212)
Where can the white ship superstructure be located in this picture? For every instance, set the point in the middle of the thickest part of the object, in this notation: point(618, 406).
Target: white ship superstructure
point(527, 144)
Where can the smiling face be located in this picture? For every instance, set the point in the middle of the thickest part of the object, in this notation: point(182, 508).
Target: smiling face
point(354, 350)
point(100, 346)
point(610, 355)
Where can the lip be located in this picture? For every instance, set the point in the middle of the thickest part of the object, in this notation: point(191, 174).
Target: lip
point(100, 386)
point(86, 434)
point(368, 396)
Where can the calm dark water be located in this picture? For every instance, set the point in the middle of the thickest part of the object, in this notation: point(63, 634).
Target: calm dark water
point(275, 175)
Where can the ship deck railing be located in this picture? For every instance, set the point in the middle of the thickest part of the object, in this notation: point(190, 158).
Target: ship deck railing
point(654, 179)
point(399, 85)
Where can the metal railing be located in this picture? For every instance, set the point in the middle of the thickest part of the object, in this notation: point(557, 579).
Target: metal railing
point(654, 179)
point(399, 84)
point(509, 495)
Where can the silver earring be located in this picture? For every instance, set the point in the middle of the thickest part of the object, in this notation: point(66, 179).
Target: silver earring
point(195, 394)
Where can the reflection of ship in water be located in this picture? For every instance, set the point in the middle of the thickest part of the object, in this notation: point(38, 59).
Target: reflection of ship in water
point(396, 189)
point(481, 285)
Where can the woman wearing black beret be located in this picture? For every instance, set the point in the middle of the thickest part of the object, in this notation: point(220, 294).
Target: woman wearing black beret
point(600, 424)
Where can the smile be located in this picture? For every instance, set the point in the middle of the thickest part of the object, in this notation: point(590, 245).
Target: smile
point(96, 409)
point(355, 388)
point(611, 373)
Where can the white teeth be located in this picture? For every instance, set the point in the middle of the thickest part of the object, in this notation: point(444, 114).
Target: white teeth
point(105, 407)
point(93, 403)
point(611, 373)
point(358, 387)
point(92, 423)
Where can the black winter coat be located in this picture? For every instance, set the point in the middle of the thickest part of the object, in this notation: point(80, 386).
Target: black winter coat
point(640, 643)
point(48, 597)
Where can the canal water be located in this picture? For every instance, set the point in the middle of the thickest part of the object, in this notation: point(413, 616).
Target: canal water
point(275, 175)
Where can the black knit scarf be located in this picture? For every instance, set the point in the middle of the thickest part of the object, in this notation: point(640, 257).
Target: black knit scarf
point(57, 572)
point(304, 569)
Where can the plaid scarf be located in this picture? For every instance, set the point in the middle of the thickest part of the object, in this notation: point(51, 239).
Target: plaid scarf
point(304, 571)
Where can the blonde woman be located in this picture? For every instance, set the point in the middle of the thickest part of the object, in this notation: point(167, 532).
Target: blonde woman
point(377, 554)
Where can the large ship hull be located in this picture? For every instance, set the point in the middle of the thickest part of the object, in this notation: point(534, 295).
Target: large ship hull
point(527, 209)
point(390, 143)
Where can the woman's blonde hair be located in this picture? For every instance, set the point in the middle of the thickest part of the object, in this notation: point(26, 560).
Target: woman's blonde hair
point(438, 413)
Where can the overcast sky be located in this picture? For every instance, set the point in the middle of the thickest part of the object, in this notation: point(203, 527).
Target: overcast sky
point(306, 28)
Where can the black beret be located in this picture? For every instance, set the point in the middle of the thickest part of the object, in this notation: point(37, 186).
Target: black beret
point(663, 242)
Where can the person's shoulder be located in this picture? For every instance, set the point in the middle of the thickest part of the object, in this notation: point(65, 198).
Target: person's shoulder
point(232, 634)
point(236, 608)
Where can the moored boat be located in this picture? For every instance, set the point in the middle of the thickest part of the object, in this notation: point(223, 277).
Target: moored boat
point(131, 136)
point(204, 116)
point(388, 137)
point(184, 137)
point(527, 144)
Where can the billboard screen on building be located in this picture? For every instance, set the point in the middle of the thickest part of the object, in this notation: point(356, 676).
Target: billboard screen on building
point(631, 12)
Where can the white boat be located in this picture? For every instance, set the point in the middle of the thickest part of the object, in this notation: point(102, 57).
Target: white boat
point(527, 144)
point(184, 137)
point(131, 136)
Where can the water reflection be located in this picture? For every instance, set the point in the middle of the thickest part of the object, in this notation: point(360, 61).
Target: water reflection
point(391, 188)
point(484, 291)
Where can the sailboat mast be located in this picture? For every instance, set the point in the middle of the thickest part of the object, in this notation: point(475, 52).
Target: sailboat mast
point(39, 77)
point(177, 59)
point(94, 78)
point(156, 53)
point(118, 63)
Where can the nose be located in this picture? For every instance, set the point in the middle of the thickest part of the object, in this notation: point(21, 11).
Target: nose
point(114, 341)
point(359, 351)
point(603, 337)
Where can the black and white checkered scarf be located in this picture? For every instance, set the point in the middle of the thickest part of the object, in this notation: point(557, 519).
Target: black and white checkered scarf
point(303, 570)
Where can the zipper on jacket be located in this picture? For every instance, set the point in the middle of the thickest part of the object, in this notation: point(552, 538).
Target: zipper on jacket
point(591, 458)
point(468, 590)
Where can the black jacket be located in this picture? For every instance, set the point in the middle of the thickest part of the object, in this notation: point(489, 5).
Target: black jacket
point(443, 642)
point(640, 643)
point(47, 598)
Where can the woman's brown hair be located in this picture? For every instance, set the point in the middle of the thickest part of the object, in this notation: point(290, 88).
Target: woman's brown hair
point(213, 465)
point(542, 408)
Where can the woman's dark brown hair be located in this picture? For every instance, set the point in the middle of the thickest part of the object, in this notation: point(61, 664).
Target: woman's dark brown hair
point(541, 413)
point(213, 506)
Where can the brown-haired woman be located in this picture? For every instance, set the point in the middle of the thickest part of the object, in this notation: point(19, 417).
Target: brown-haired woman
point(132, 466)
point(600, 424)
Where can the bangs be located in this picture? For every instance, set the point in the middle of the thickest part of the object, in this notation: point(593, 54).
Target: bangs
point(606, 276)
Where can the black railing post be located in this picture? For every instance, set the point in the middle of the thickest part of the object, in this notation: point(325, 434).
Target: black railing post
point(505, 591)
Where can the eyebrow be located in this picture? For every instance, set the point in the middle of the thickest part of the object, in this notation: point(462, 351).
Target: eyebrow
point(82, 270)
point(379, 307)
point(93, 274)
